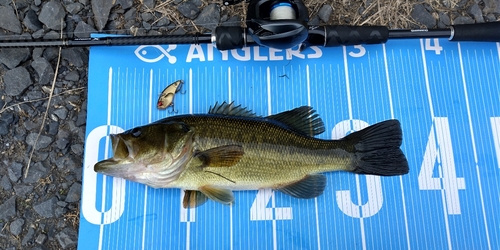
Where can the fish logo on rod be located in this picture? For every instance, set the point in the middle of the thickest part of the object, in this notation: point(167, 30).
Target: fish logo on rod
point(147, 53)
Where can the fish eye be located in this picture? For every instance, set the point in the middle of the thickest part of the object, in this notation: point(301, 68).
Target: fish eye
point(136, 132)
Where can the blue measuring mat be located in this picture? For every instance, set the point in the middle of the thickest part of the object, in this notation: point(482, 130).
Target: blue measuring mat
point(446, 96)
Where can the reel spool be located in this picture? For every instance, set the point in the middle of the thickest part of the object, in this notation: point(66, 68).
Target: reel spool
point(280, 24)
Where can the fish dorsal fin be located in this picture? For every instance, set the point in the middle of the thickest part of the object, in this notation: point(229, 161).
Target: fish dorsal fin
point(309, 187)
point(231, 110)
point(302, 119)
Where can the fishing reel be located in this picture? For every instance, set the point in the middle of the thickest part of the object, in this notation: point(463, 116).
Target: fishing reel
point(279, 24)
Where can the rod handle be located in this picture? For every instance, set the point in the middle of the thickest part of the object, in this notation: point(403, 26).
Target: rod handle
point(335, 35)
point(480, 32)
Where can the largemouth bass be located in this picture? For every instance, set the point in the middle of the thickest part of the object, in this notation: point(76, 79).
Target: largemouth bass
point(230, 148)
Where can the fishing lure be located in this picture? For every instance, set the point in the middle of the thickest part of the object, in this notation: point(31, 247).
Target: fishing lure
point(166, 98)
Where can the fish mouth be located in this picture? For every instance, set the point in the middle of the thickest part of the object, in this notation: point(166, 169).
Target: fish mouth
point(121, 156)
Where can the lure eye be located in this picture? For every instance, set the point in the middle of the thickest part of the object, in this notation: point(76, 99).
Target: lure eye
point(136, 132)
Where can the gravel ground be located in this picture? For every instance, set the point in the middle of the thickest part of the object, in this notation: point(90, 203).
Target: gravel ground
point(39, 208)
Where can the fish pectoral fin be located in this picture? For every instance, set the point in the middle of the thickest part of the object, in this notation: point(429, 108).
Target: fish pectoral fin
point(193, 198)
point(303, 120)
point(223, 156)
point(223, 196)
point(309, 187)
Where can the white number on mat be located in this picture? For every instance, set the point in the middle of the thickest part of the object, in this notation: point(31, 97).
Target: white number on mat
point(90, 212)
point(361, 51)
point(439, 153)
point(260, 211)
point(373, 183)
point(436, 48)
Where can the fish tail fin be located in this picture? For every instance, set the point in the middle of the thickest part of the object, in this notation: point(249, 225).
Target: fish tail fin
point(377, 149)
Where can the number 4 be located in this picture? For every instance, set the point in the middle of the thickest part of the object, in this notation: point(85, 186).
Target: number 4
point(435, 47)
point(439, 152)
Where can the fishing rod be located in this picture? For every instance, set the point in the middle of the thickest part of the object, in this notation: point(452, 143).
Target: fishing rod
point(280, 24)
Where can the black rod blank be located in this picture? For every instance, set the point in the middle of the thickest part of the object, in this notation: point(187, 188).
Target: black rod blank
point(328, 36)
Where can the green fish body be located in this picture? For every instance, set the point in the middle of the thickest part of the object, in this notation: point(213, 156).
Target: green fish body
point(230, 148)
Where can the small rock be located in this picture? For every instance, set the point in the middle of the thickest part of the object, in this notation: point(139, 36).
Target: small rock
point(475, 11)
point(146, 16)
point(325, 12)
point(83, 30)
point(28, 236)
point(22, 190)
point(444, 21)
point(12, 57)
point(61, 112)
point(36, 172)
point(101, 12)
point(62, 143)
point(126, 4)
point(491, 7)
point(67, 238)
point(209, 17)
point(50, 53)
point(74, 193)
point(8, 208)
point(31, 21)
point(6, 119)
point(38, 34)
point(74, 56)
point(81, 119)
point(72, 76)
point(130, 14)
point(8, 20)
point(463, 20)
point(43, 69)
point(43, 140)
point(46, 209)
point(74, 8)
point(51, 35)
point(4, 128)
point(16, 226)
point(59, 212)
point(421, 15)
point(51, 15)
point(150, 4)
point(53, 128)
point(16, 81)
point(188, 10)
point(40, 239)
point(5, 183)
point(491, 17)
point(15, 171)
point(62, 203)
point(77, 149)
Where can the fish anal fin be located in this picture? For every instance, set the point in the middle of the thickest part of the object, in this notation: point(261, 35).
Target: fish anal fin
point(223, 156)
point(303, 120)
point(220, 195)
point(309, 187)
point(193, 198)
point(231, 110)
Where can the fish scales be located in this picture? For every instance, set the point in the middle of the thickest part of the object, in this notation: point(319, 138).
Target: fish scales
point(273, 154)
